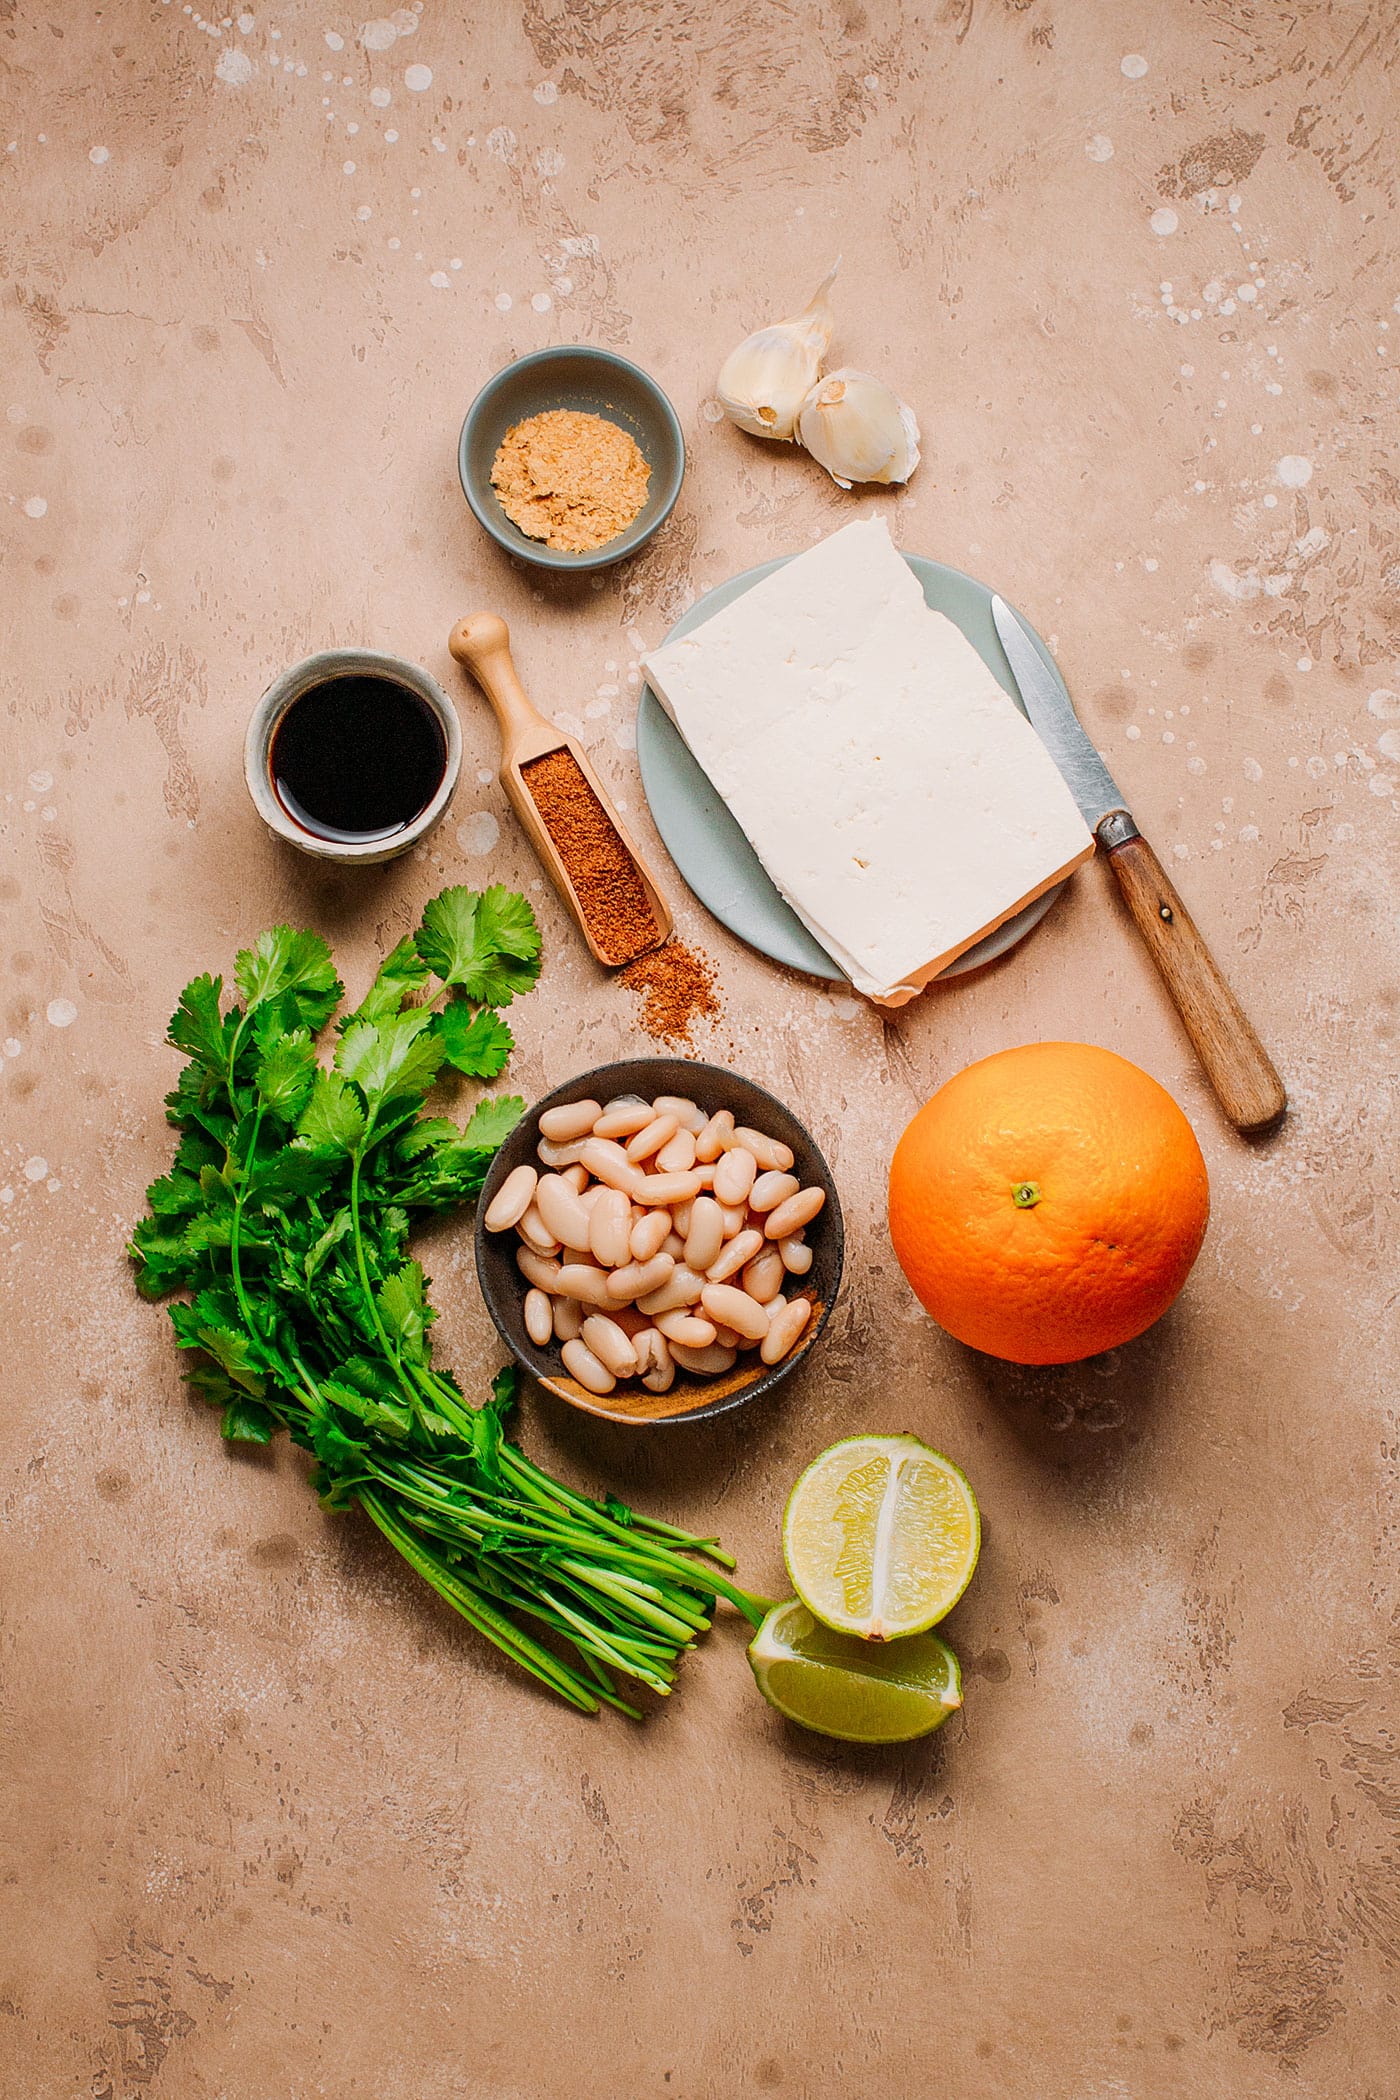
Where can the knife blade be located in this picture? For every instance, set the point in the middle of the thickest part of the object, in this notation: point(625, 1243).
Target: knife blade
point(1235, 1062)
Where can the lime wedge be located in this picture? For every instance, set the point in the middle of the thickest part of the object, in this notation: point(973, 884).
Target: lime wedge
point(881, 1536)
point(856, 1690)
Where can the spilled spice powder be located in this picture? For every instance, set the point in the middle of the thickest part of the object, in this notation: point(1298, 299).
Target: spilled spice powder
point(610, 890)
point(677, 988)
point(571, 479)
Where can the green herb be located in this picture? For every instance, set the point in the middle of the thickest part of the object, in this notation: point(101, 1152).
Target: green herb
point(286, 1215)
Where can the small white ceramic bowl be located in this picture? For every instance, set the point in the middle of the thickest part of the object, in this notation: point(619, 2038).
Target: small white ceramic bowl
point(318, 670)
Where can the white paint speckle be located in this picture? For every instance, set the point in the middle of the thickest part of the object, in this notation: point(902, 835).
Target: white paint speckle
point(1164, 220)
point(349, 167)
point(13, 1046)
point(1134, 66)
point(417, 79)
point(234, 67)
point(1252, 770)
point(7, 1195)
point(391, 138)
point(1132, 732)
point(36, 1169)
point(99, 155)
point(504, 302)
point(1384, 704)
point(246, 25)
point(542, 302)
point(62, 1013)
point(440, 280)
point(1099, 147)
point(1180, 851)
point(1293, 471)
point(546, 93)
point(335, 40)
point(549, 161)
point(41, 782)
point(35, 507)
point(478, 833)
point(501, 144)
point(380, 97)
point(1388, 743)
point(1381, 784)
point(378, 35)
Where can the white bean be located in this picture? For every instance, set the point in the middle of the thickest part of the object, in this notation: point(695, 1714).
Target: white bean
point(568, 1319)
point(734, 1175)
point(539, 1269)
point(610, 1345)
point(797, 1255)
point(639, 1279)
point(656, 1134)
point(771, 1189)
point(797, 1211)
point(687, 1113)
point(512, 1199)
point(736, 1217)
point(769, 1152)
point(658, 1190)
point(730, 1338)
point(574, 1119)
point(608, 1162)
point(682, 1287)
point(650, 1234)
point(714, 1137)
point(706, 1234)
point(728, 1307)
point(707, 1363)
point(536, 1233)
point(680, 1217)
point(685, 1328)
point(737, 1253)
point(788, 1322)
point(580, 1361)
point(557, 1156)
point(563, 1215)
point(763, 1276)
point(673, 1245)
point(677, 1155)
point(623, 1120)
point(579, 1279)
point(659, 1371)
point(577, 1178)
point(539, 1317)
point(610, 1228)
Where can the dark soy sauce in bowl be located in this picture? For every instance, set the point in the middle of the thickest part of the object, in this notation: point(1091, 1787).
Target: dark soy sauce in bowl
point(357, 759)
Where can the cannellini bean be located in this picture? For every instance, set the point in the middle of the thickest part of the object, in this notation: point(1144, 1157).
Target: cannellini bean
point(662, 1190)
point(673, 1245)
point(539, 1269)
point(763, 1276)
point(797, 1255)
point(610, 1228)
point(730, 1338)
point(659, 1371)
point(680, 1218)
point(610, 1345)
point(683, 1327)
point(650, 1234)
point(714, 1137)
point(682, 1287)
point(771, 1189)
point(536, 1233)
point(568, 1319)
point(656, 1134)
point(729, 1307)
point(638, 1279)
point(788, 1322)
point(573, 1120)
point(581, 1280)
point(512, 1199)
point(737, 1253)
point(736, 1217)
point(797, 1211)
point(583, 1365)
point(687, 1113)
point(677, 1155)
point(623, 1119)
point(734, 1175)
point(539, 1317)
point(609, 1163)
point(706, 1173)
point(705, 1236)
point(577, 1178)
point(557, 1156)
point(563, 1215)
point(770, 1153)
point(706, 1362)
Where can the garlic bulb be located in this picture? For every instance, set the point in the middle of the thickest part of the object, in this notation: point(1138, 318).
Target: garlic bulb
point(763, 382)
point(859, 429)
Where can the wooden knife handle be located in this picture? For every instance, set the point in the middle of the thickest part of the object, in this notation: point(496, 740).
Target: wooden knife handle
point(1235, 1061)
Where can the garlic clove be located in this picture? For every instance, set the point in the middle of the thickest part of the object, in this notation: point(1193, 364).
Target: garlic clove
point(859, 429)
point(763, 383)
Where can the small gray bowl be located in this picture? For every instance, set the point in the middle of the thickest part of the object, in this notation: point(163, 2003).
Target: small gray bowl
point(690, 1399)
point(600, 383)
point(319, 670)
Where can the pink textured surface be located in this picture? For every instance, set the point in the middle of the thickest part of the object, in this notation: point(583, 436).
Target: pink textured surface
point(273, 1823)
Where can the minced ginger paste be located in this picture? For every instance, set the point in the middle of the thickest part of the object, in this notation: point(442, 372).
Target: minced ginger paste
point(571, 479)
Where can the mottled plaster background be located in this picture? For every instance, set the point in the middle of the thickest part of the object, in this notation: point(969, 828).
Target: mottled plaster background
point(274, 1824)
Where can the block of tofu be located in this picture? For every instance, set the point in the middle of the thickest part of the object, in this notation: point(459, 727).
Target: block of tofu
point(898, 799)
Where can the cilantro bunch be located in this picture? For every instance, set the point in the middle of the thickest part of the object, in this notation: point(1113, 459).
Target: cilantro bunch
point(286, 1216)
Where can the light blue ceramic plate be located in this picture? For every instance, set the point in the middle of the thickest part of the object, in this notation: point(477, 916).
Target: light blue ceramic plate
point(706, 843)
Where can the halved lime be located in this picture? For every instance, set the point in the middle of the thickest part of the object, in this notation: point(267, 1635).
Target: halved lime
point(881, 1536)
point(856, 1690)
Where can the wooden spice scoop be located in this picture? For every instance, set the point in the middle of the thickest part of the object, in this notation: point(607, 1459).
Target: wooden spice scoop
point(481, 644)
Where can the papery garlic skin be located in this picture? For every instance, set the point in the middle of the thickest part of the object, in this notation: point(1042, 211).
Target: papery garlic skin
point(859, 429)
point(765, 381)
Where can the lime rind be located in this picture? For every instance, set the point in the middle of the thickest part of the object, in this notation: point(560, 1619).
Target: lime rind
point(855, 1691)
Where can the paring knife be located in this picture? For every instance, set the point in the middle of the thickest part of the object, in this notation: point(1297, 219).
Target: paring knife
point(1235, 1062)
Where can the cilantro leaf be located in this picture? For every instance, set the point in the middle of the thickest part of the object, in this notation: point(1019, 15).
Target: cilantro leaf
point(405, 1312)
point(286, 960)
point(491, 1122)
point(197, 1026)
point(248, 1422)
point(402, 973)
point(476, 1043)
point(486, 942)
point(285, 1072)
point(333, 1117)
point(393, 1061)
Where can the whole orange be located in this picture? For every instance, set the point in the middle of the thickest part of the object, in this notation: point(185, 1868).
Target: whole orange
point(1048, 1203)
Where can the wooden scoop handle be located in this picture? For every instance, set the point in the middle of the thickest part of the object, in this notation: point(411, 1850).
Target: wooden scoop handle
point(1235, 1061)
point(481, 644)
